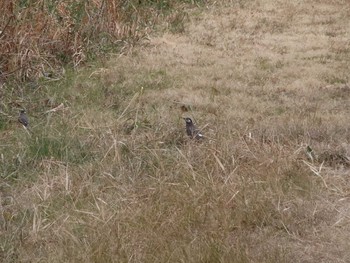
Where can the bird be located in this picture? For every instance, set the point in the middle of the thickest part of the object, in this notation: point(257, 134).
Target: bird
point(192, 130)
point(23, 119)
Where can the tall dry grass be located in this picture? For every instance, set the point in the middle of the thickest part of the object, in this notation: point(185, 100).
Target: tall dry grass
point(38, 38)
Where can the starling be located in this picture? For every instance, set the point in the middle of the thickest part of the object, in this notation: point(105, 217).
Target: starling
point(23, 118)
point(191, 130)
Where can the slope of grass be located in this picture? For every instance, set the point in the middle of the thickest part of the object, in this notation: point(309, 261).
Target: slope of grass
point(107, 173)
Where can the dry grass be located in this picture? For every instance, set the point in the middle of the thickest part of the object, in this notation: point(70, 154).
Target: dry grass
point(38, 39)
point(112, 177)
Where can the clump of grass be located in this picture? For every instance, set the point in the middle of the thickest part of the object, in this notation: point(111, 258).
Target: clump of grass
point(38, 38)
point(64, 149)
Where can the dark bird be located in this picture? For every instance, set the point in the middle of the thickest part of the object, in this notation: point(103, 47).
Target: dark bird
point(23, 119)
point(191, 129)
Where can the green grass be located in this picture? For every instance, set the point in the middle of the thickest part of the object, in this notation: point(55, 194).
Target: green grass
point(61, 148)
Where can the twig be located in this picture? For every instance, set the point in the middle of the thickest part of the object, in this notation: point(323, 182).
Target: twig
point(317, 171)
point(8, 22)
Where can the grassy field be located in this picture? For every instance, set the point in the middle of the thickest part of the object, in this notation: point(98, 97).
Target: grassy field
point(107, 173)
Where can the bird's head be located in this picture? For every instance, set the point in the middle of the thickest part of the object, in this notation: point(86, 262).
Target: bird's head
point(22, 111)
point(188, 120)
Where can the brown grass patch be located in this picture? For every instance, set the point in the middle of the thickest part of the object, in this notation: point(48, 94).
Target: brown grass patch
point(40, 38)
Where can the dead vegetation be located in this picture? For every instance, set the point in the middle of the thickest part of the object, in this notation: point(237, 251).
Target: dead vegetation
point(38, 39)
point(111, 176)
